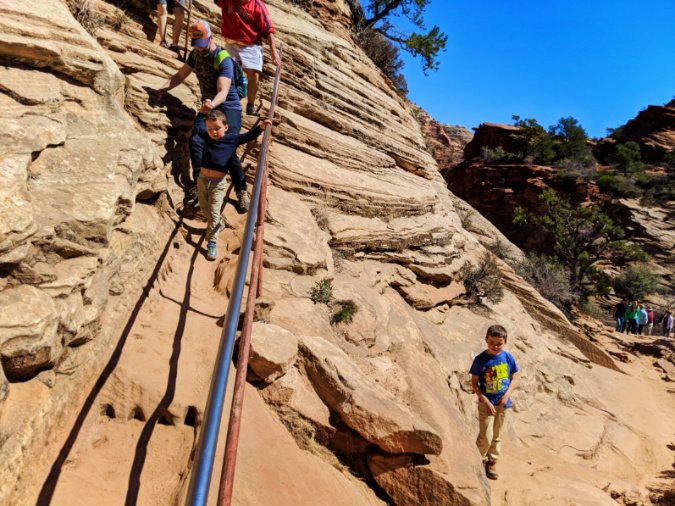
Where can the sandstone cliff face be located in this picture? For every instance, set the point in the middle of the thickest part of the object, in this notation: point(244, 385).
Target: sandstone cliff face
point(654, 130)
point(372, 411)
point(445, 142)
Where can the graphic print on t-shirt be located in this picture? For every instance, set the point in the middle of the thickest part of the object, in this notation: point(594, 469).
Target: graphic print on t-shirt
point(494, 377)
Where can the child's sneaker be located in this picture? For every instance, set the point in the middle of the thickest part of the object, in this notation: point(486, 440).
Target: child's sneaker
point(491, 470)
point(211, 250)
point(243, 202)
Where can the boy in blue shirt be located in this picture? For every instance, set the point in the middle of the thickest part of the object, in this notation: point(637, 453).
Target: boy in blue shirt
point(219, 150)
point(493, 379)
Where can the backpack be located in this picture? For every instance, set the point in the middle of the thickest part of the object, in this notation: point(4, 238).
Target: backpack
point(239, 81)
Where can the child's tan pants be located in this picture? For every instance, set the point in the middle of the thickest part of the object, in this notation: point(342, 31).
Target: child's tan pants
point(489, 437)
point(211, 193)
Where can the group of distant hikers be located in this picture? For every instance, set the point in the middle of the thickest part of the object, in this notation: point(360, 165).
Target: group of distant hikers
point(638, 319)
point(226, 76)
point(213, 144)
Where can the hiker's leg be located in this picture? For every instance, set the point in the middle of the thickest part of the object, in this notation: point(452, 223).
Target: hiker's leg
point(161, 21)
point(493, 451)
point(251, 59)
point(197, 145)
point(202, 197)
point(178, 15)
point(485, 424)
point(215, 196)
point(252, 77)
point(234, 166)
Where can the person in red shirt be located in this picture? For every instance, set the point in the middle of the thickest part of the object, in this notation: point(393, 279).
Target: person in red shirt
point(245, 24)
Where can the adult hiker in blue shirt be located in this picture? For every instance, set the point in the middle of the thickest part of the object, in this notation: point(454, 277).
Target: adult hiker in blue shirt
point(214, 69)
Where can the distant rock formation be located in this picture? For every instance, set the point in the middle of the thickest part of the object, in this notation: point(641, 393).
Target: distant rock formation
point(491, 136)
point(445, 142)
point(654, 130)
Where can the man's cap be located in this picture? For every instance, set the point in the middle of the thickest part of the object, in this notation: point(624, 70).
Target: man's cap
point(200, 33)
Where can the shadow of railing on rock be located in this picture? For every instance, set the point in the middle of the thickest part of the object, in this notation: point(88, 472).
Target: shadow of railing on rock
point(162, 408)
point(49, 486)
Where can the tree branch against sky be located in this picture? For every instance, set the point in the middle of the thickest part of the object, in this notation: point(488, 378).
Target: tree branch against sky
point(424, 44)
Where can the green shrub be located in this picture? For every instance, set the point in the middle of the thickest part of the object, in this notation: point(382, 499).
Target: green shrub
point(548, 277)
point(385, 56)
point(591, 308)
point(345, 312)
point(602, 282)
point(627, 158)
point(636, 282)
point(617, 185)
point(532, 142)
point(571, 140)
point(624, 251)
point(119, 20)
point(500, 249)
point(322, 292)
point(498, 155)
point(482, 281)
point(85, 14)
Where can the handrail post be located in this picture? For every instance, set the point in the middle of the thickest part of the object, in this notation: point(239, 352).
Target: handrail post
point(200, 478)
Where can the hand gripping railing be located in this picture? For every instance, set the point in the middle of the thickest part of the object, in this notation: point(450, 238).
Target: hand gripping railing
point(208, 438)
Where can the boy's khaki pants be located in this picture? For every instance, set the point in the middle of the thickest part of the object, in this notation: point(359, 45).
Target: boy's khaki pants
point(489, 436)
point(211, 193)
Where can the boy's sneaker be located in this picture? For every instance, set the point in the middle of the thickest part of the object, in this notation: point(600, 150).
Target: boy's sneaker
point(250, 109)
point(243, 202)
point(211, 250)
point(491, 470)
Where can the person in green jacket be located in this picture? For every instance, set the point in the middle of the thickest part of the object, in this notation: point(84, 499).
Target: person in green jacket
point(631, 318)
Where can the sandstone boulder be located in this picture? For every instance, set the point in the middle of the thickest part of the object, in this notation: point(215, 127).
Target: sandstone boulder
point(293, 241)
point(296, 400)
point(410, 484)
point(16, 223)
point(28, 331)
point(363, 405)
point(273, 351)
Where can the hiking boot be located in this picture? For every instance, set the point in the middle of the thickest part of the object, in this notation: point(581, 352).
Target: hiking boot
point(211, 251)
point(250, 109)
point(491, 470)
point(191, 199)
point(243, 202)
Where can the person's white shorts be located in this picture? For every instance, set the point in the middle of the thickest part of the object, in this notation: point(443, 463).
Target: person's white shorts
point(250, 57)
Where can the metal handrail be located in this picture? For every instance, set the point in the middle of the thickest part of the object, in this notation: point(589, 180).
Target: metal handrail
point(200, 478)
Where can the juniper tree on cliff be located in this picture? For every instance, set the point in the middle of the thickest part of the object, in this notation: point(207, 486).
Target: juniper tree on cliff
point(582, 235)
point(376, 17)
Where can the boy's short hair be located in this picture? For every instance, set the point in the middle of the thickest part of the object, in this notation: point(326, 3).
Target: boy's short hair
point(496, 331)
point(216, 115)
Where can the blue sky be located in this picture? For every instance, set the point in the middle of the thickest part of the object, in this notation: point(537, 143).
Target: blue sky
point(600, 61)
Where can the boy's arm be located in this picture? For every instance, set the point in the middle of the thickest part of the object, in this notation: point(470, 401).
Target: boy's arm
point(481, 397)
point(253, 133)
point(512, 386)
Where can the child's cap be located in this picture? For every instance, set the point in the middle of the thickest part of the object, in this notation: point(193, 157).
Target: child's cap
point(200, 33)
